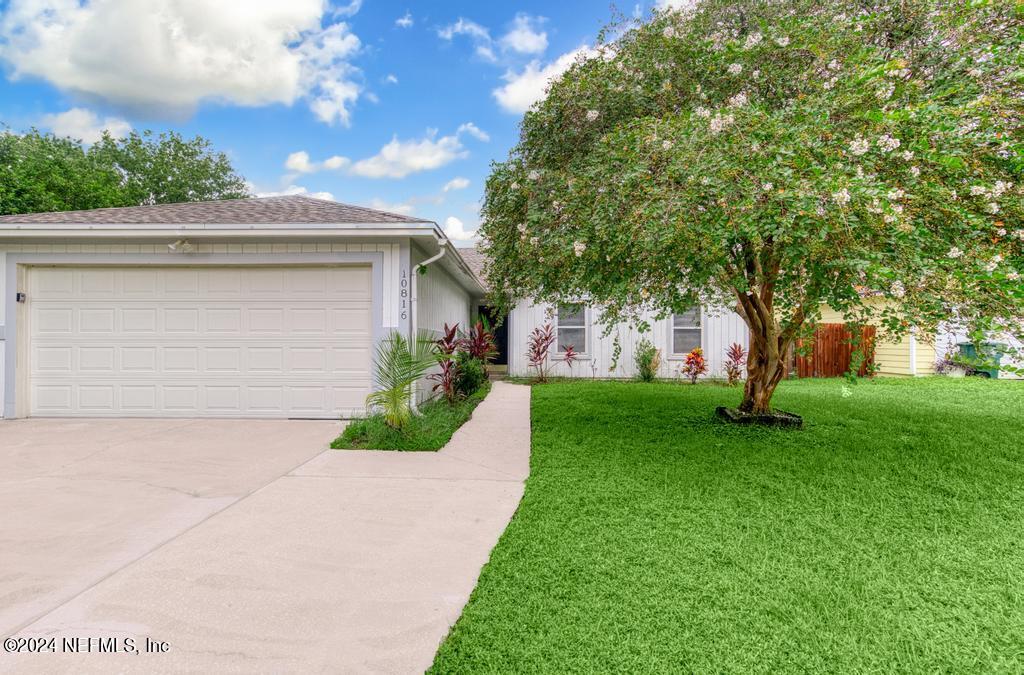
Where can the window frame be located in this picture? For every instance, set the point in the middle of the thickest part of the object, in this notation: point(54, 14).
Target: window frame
point(558, 355)
point(672, 327)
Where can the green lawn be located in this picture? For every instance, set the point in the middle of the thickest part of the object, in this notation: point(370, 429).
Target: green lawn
point(888, 535)
point(429, 430)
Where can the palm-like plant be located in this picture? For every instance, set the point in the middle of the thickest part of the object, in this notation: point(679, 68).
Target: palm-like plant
point(397, 366)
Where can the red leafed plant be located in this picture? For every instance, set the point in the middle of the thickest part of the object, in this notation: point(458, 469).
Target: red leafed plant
point(570, 356)
point(694, 366)
point(479, 344)
point(446, 378)
point(735, 362)
point(539, 344)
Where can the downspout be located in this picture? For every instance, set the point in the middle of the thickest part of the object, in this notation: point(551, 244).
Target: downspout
point(413, 305)
point(913, 351)
point(414, 299)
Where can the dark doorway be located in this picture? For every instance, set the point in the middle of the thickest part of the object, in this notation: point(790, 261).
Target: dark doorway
point(500, 334)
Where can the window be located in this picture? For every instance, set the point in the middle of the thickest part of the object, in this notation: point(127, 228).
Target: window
point(686, 331)
point(572, 329)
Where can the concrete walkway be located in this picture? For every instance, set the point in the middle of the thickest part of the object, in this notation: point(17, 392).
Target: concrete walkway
point(354, 562)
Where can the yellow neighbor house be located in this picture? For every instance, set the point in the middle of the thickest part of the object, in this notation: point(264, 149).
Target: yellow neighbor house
point(912, 356)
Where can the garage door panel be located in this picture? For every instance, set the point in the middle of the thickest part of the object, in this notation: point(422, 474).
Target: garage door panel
point(238, 342)
point(98, 359)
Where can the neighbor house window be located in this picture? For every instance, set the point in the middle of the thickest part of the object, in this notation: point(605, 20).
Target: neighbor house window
point(572, 329)
point(686, 331)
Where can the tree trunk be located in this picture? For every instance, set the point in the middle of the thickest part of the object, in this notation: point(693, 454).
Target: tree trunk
point(766, 359)
point(764, 372)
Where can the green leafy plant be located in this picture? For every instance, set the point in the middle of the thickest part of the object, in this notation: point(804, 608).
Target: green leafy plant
point(647, 360)
point(397, 366)
point(44, 172)
point(470, 374)
point(774, 157)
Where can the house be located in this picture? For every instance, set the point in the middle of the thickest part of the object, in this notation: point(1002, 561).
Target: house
point(711, 328)
point(912, 355)
point(238, 308)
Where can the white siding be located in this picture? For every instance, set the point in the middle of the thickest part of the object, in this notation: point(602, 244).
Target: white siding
point(720, 329)
point(441, 299)
point(949, 336)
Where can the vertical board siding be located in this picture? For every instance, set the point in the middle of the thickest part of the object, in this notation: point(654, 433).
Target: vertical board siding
point(721, 327)
point(832, 350)
point(440, 300)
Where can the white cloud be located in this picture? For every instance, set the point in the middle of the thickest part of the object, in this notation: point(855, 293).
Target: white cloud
point(336, 162)
point(474, 131)
point(85, 125)
point(299, 162)
point(391, 79)
point(464, 27)
point(455, 229)
point(296, 190)
point(675, 4)
point(404, 208)
point(326, 75)
point(525, 36)
point(405, 21)
point(170, 55)
point(523, 89)
point(457, 183)
point(480, 36)
point(351, 9)
point(398, 159)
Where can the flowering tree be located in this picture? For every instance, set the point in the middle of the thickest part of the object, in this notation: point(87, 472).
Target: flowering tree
point(774, 155)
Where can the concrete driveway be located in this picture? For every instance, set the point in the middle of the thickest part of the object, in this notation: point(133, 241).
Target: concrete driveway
point(243, 546)
point(82, 499)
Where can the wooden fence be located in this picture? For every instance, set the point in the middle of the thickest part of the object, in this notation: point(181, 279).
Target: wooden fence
point(830, 354)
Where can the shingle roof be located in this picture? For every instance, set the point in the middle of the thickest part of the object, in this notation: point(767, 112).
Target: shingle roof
point(475, 258)
point(294, 209)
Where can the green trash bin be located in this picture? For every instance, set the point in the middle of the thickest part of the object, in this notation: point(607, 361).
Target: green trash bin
point(993, 356)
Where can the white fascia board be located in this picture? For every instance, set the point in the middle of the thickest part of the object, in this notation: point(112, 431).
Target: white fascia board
point(48, 231)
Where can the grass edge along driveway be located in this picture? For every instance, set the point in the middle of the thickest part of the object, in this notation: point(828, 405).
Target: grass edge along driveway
point(884, 536)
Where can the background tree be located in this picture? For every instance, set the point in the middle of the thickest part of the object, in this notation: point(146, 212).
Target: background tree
point(773, 156)
point(42, 172)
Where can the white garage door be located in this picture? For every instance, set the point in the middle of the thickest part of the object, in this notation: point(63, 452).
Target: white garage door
point(199, 341)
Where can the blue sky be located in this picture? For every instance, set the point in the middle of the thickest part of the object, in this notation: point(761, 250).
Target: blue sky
point(396, 105)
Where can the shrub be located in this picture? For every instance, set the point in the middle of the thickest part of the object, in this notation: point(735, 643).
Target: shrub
point(539, 344)
point(570, 356)
point(694, 366)
point(648, 360)
point(735, 363)
point(479, 343)
point(397, 366)
point(470, 374)
point(447, 346)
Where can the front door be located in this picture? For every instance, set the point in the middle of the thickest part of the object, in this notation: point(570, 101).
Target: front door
point(500, 334)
